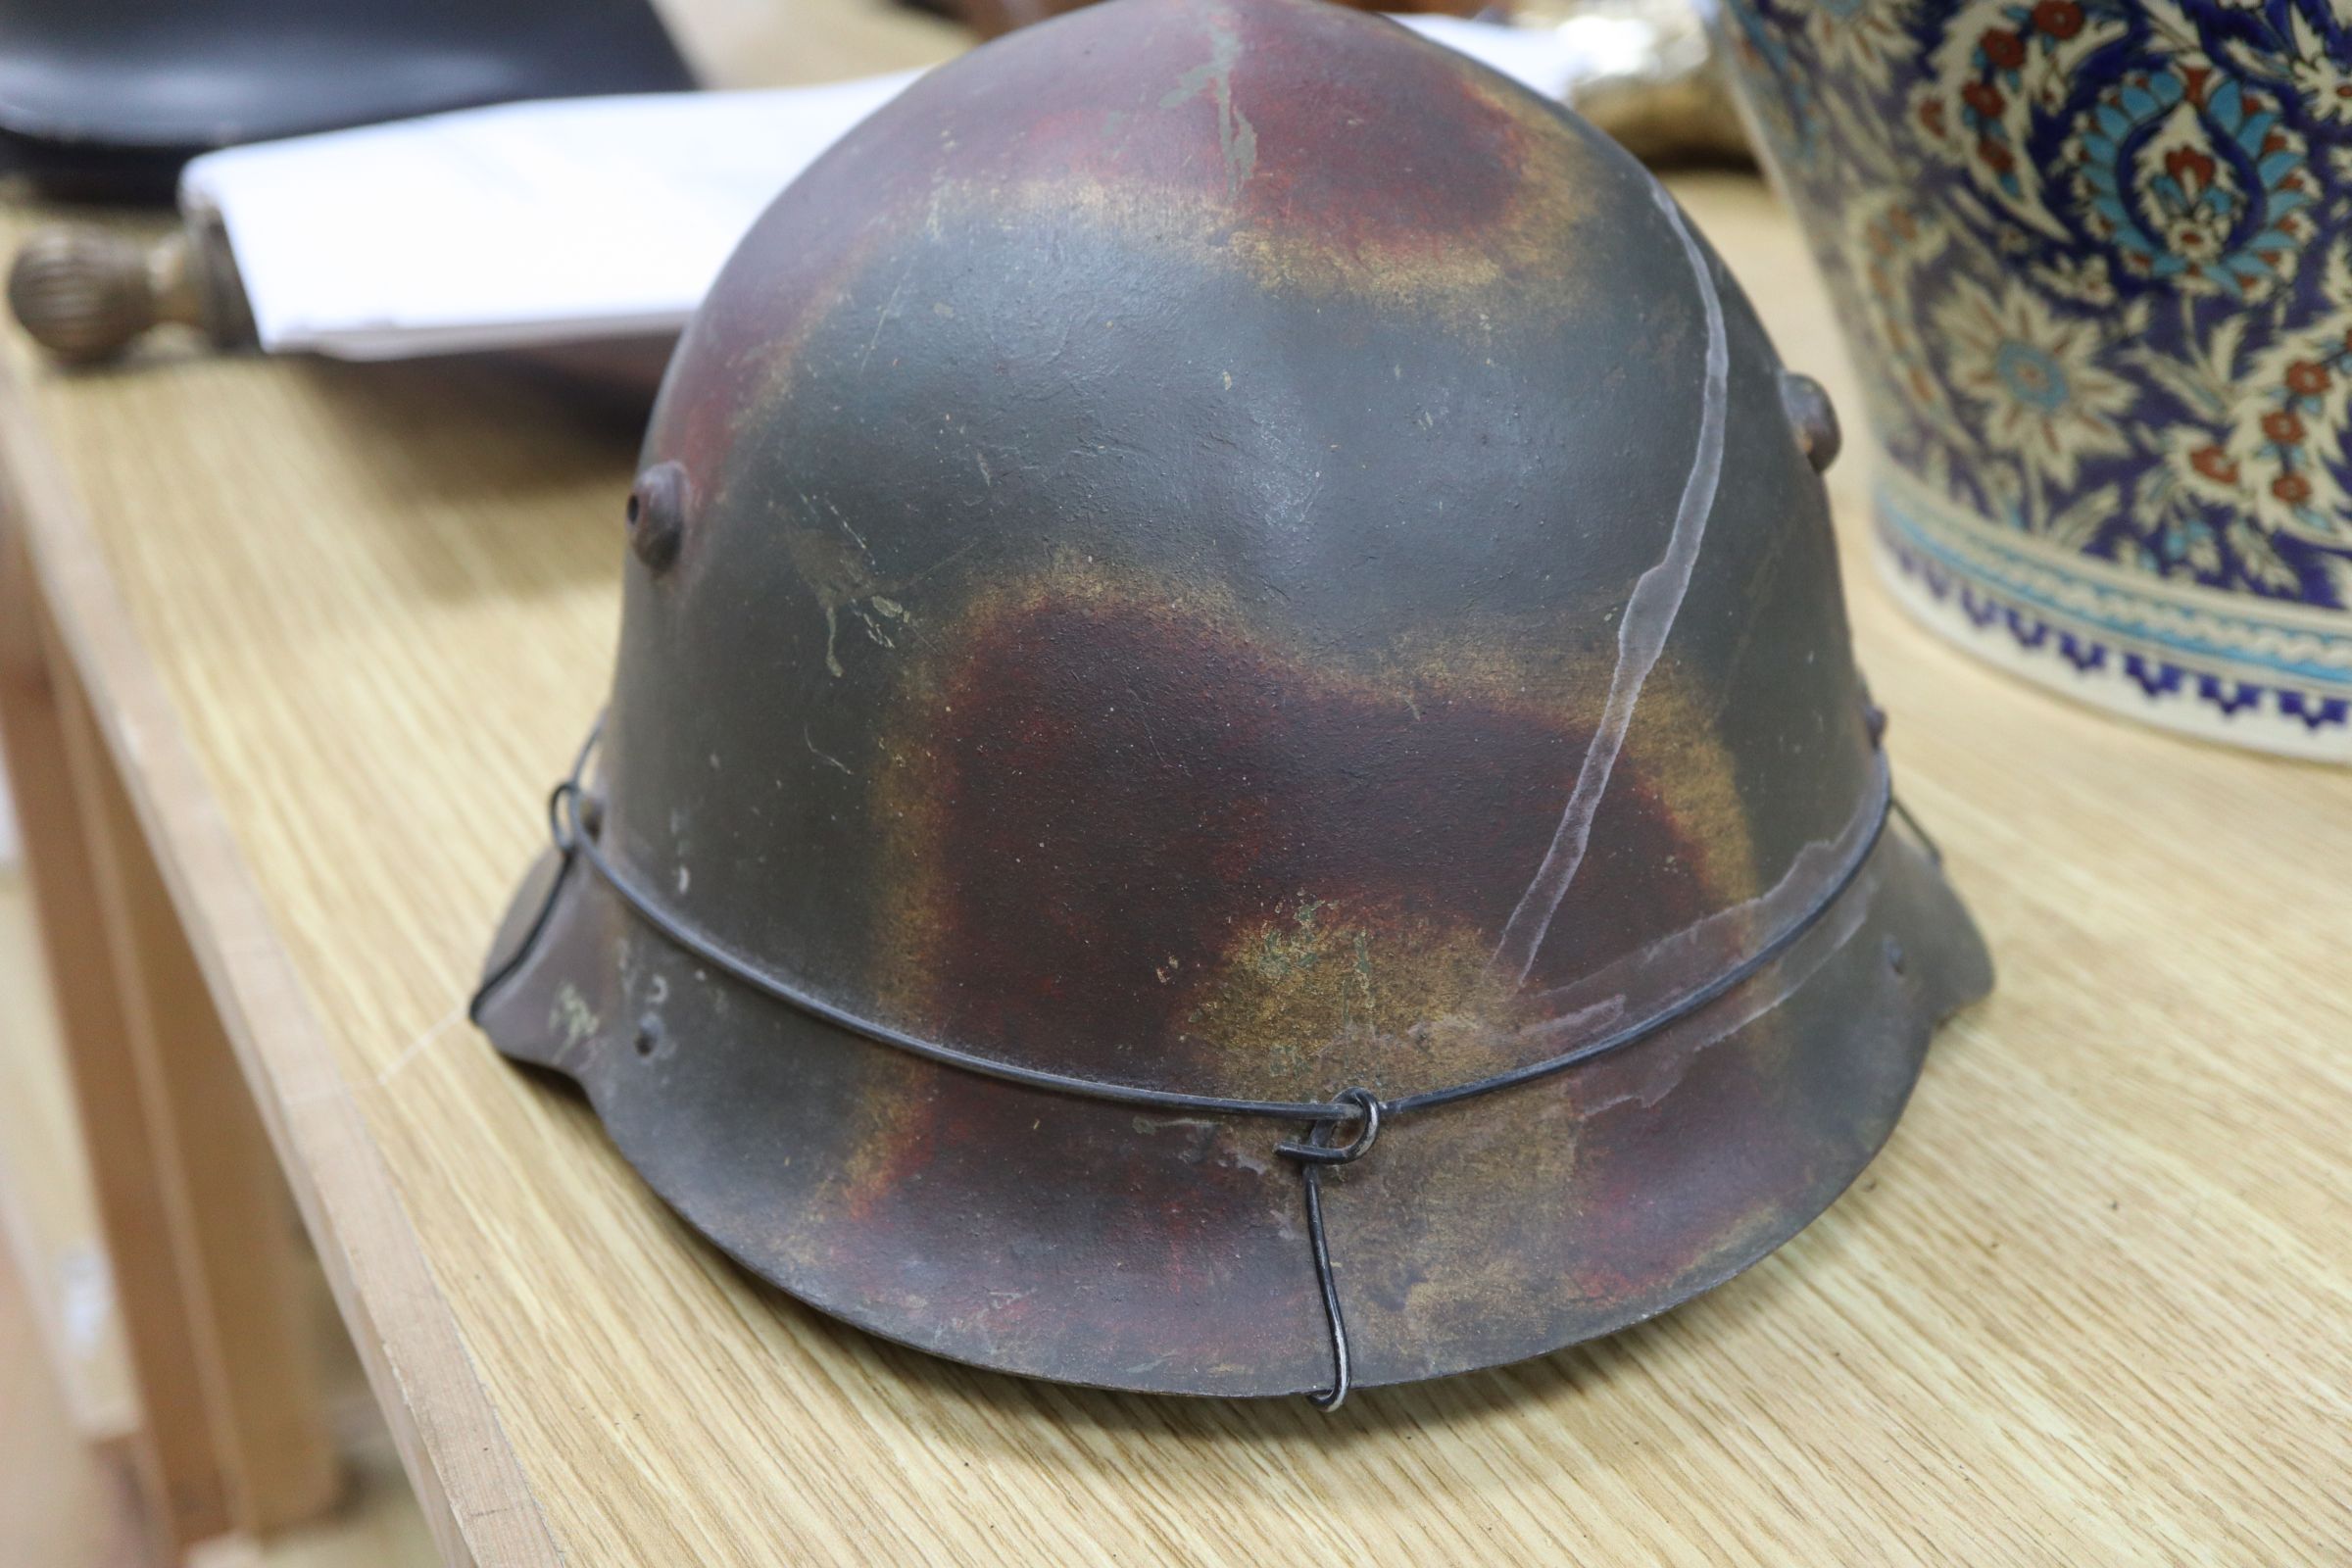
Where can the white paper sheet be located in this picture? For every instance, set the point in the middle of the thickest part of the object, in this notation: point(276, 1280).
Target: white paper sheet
point(569, 220)
point(536, 223)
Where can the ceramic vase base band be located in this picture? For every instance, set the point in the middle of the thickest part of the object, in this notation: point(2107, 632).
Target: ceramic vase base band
point(2220, 666)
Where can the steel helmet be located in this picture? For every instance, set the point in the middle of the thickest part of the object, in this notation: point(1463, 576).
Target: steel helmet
point(1235, 765)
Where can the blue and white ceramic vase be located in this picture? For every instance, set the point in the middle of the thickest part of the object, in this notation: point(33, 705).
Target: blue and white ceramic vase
point(2094, 259)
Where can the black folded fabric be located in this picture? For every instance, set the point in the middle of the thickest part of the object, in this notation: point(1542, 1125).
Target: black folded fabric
point(107, 98)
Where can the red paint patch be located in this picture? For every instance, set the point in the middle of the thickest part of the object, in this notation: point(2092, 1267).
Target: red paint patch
point(1301, 119)
point(1124, 796)
point(1115, 796)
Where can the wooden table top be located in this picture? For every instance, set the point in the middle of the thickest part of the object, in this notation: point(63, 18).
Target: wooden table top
point(2094, 1302)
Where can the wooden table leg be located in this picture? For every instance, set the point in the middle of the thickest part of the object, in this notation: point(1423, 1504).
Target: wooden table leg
point(199, 1227)
point(184, 1494)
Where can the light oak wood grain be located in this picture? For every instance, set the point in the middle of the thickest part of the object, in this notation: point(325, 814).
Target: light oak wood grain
point(2094, 1303)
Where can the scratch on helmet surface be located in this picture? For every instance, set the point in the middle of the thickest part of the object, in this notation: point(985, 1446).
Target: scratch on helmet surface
point(1684, 958)
point(1649, 616)
point(1237, 138)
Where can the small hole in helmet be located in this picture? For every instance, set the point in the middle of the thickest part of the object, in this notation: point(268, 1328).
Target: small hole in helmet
point(636, 506)
point(648, 1035)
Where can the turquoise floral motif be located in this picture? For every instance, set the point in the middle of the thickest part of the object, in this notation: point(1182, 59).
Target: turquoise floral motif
point(2203, 189)
point(1999, 66)
point(2095, 256)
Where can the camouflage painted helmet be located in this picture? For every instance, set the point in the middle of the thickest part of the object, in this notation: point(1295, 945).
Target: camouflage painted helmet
point(1236, 765)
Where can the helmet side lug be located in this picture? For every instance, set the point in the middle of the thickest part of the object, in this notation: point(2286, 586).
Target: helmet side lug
point(656, 514)
point(1812, 416)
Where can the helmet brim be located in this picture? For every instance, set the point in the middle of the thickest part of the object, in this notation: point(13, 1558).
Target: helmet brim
point(1054, 1237)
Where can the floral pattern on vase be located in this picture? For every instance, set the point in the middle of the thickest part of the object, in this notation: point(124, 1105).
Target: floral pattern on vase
point(2096, 262)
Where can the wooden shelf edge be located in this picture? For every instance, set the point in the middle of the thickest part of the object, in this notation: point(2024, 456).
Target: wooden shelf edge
point(452, 1444)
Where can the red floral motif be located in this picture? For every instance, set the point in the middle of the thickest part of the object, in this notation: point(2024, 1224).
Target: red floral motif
point(1931, 118)
point(2291, 488)
point(2192, 168)
point(2003, 48)
point(1996, 156)
point(2284, 427)
point(2060, 19)
point(1984, 98)
point(2214, 463)
point(2308, 378)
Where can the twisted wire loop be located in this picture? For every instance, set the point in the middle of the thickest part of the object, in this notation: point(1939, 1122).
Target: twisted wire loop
point(1312, 1156)
point(1365, 1107)
point(574, 824)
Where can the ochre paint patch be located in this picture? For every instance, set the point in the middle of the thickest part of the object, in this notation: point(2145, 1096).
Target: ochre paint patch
point(1136, 837)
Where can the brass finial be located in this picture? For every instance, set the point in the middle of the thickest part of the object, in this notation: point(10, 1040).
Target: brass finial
point(86, 292)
